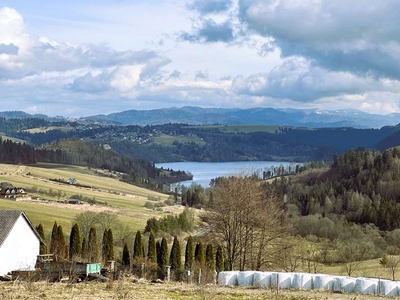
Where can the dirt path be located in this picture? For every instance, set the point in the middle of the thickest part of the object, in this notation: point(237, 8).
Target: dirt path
point(20, 170)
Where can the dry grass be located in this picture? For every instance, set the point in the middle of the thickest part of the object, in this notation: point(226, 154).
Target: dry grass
point(126, 200)
point(127, 289)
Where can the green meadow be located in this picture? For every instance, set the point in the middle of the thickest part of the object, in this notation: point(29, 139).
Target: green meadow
point(49, 197)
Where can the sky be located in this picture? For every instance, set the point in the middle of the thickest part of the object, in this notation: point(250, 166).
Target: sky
point(79, 58)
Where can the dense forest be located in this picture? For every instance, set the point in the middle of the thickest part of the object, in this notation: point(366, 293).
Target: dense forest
point(362, 186)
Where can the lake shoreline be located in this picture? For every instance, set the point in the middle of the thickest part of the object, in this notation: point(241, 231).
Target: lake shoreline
point(203, 172)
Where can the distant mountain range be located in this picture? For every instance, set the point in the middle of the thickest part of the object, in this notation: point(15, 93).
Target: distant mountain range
point(312, 118)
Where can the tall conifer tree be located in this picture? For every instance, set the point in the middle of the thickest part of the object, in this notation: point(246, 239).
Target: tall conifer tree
point(158, 249)
point(175, 256)
point(138, 246)
point(219, 259)
point(84, 250)
point(151, 249)
point(61, 245)
point(189, 254)
point(126, 259)
point(40, 231)
point(75, 244)
point(199, 254)
point(210, 260)
point(53, 239)
point(93, 249)
point(164, 252)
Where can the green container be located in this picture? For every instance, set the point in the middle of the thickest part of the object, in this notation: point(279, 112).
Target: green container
point(93, 268)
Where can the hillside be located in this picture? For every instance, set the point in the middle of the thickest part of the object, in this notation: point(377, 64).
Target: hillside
point(312, 118)
point(106, 194)
point(209, 116)
point(140, 172)
point(140, 146)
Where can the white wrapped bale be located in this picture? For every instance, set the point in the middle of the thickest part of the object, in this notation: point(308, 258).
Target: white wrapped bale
point(227, 278)
point(281, 280)
point(307, 282)
point(323, 282)
point(366, 286)
point(344, 284)
point(262, 279)
point(296, 280)
point(387, 288)
point(302, 281)
point(245, 278)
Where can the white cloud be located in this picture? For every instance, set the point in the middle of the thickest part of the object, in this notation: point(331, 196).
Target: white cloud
point(296, 79)
point(358, 36)
point(125, 78)
point(98, 57)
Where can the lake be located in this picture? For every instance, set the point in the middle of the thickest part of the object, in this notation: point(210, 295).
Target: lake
point(203, 172)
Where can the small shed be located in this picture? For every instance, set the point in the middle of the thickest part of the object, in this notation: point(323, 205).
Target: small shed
point(19, 242)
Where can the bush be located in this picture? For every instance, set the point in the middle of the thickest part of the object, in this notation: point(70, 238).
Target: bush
point(149, 205)
point(169, 202)
point(153, 198)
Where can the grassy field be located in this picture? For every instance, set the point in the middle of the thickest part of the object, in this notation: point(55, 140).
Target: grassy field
point(369, 268)
point(244, 128)
point(125, 200)
point(167, 140)
point(47, 128)
point(5, 137)
point(128, 289)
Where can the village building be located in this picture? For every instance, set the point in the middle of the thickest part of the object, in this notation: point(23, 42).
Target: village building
point(71, 181)
point(19, 242)
point(8, 191)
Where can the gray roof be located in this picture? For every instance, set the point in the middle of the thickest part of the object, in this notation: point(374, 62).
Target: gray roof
point(8, 218)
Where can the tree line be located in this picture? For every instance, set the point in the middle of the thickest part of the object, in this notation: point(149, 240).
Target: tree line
point(150, 261)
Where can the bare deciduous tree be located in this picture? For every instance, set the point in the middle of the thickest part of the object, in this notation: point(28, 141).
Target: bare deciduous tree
point(353, 253)
point(246, 221)
point(391, 260)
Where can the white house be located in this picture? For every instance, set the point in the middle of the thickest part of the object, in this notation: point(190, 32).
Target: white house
point(19, 242)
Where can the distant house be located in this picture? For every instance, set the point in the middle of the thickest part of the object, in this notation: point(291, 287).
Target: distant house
point(8, 191)
point(19, 242)
point(71, 181)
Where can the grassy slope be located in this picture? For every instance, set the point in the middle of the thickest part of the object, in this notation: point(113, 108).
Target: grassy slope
point(167, 140)
point(124, 199)
point(243, 128)
point(45, 129)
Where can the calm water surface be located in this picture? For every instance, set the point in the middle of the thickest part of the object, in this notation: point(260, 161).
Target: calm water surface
point(203, 172)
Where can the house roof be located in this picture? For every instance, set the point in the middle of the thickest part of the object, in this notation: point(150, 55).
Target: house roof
point(8, 218)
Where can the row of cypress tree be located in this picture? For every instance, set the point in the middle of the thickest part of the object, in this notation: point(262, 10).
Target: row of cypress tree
point(79, 247)
point(157, 252)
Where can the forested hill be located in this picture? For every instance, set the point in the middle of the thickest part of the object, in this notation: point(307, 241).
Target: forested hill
point(182, 142)
point(311, 118)
point(392, 140)
point(361, 187)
